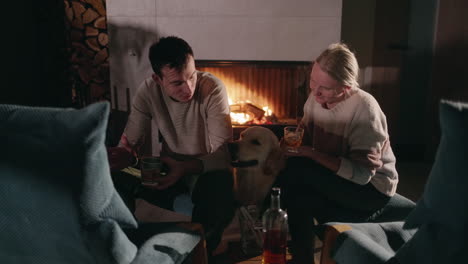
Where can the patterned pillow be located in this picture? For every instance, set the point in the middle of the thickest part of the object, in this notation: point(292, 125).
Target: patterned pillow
point(57, 198)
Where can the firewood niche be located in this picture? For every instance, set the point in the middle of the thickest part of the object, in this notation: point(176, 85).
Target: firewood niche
point(89, 47)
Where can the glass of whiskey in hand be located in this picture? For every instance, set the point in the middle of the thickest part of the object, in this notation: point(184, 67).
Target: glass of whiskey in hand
point(293, 138)
point(151, 169)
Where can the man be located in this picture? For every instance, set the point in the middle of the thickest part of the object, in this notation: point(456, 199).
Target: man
point(191, 112)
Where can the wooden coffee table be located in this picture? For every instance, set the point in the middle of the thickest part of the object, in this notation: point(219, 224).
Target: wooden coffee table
point(234, 255)
point(258, 259)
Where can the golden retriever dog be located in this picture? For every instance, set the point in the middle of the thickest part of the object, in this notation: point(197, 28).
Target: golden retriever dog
point(257, 159)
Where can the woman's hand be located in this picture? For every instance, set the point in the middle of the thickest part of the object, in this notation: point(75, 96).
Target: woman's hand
point(302, 151)
point(326, 160)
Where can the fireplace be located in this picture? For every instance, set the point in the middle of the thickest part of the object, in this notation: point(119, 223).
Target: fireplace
point(271, 93)
point(267, 93)
point(279, 87)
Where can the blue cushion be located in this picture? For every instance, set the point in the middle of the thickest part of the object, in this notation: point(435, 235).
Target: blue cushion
point(397, 209)
point(57, 200)
point(442, 214)
point(433, 243)
point(377, 241)
point(160, 248)
point(445, 198)
point(370, 242)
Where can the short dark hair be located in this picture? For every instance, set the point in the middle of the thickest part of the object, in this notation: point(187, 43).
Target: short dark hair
point(169, 51)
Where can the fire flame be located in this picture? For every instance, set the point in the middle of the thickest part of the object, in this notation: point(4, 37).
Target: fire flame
point(243, 118)
point(240, 118)
point(267, 110)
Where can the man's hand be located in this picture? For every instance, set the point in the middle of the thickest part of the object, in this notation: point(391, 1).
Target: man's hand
point(176, 170)
point(119, 158)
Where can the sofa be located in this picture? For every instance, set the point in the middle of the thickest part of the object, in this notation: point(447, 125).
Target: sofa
point(57, 200)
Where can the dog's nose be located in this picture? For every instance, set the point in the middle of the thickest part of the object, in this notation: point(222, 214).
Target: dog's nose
point(233, 149)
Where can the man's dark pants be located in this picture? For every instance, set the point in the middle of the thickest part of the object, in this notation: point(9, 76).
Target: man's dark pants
point(309, 190)
point(212, 198)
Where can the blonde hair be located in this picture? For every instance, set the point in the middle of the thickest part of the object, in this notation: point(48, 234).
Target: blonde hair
point(340, 63)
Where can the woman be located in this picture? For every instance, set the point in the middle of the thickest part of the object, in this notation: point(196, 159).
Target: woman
point(345, 168)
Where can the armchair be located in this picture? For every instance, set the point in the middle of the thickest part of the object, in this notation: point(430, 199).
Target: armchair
point(57, 200)
point(395, 211)
point(435, 230)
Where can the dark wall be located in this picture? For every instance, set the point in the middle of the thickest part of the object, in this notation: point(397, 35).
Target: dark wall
point(357, 28)
point(449, 69)
point(433, 63)
point(378, 32)
point(36, 56)
point(417, 74)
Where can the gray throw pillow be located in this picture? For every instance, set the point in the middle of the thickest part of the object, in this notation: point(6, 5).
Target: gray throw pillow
point(441, 214)
point(57, 200)
point(445, 199)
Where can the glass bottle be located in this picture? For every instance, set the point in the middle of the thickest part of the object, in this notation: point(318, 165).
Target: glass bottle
point(275, 224)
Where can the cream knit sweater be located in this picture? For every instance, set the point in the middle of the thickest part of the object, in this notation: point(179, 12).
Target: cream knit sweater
point(355, 130)
point(197, 128)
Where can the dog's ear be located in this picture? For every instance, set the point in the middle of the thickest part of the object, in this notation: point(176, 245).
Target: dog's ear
point(275, 162)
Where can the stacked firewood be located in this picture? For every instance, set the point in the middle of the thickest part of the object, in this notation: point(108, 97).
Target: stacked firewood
point(89, 47)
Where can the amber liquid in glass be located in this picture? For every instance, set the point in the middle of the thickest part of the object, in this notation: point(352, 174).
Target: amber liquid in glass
point(274, 248)
point(293, 141)
point(150, 175)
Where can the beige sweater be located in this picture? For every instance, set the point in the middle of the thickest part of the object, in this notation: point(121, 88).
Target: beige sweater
point(197, 128)
point(355, 130)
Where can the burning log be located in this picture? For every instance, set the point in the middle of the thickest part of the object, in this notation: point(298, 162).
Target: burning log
point(248, 108)
point(246, 113)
